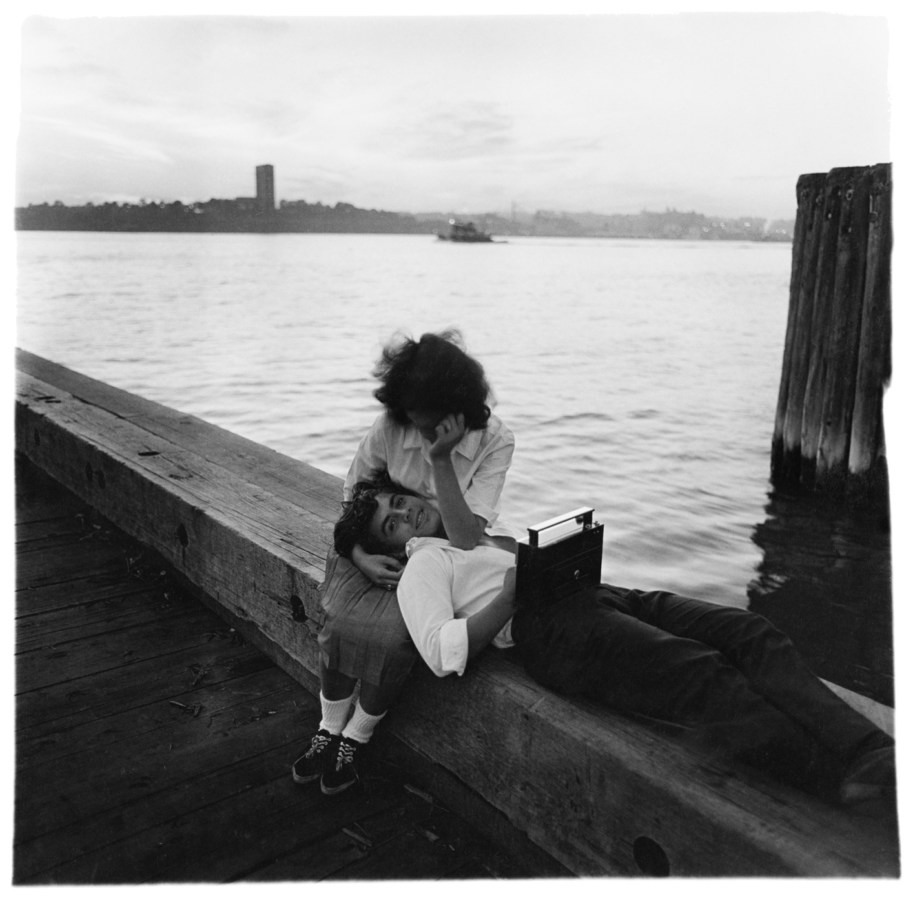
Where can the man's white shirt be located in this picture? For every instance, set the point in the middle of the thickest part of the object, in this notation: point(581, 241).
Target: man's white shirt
point(440, 587)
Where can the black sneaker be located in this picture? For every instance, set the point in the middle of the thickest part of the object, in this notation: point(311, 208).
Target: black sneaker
point(339, 772)
point(310, 766)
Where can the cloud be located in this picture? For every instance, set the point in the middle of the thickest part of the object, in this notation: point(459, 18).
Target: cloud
point(451, 110)
point(457, 131)
point(107, 143)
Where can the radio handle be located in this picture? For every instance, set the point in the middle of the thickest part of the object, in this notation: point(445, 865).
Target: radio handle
point(583, 516)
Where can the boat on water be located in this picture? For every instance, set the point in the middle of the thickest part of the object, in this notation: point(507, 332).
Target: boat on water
point(465, 233)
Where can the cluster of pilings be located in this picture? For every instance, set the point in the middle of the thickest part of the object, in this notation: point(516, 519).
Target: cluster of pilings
point(829, 432)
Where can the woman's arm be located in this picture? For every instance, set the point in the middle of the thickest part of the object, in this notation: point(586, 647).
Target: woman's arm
point(463, 528)
point(484, 491)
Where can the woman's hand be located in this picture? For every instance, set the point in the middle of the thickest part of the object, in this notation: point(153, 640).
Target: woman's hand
point(384, 571)
point(449, 431)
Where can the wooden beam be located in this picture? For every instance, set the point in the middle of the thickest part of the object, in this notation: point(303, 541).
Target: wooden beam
point(602, 793)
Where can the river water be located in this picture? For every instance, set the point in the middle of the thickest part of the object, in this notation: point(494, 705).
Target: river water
point(639, 377)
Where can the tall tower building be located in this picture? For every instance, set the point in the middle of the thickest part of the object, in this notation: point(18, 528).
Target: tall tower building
point(266, 195)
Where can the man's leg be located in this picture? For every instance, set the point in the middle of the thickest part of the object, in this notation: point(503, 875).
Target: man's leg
point(768, 660)
point(588, 645)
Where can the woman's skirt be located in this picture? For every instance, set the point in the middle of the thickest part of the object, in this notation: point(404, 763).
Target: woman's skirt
point(364, 635)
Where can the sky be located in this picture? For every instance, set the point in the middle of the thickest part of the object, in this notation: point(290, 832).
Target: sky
point(711, 112)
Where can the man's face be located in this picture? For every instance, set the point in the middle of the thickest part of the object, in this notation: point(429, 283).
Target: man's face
point(400, 517)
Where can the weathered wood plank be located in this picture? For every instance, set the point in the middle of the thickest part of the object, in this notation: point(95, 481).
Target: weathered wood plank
point(318, 860)
point(55, 708)
point(427, 836)
point(205, 704)
point(294, 480)
point(34, 506)
point(200, 484)
point(91, 618)
point(112, 651)
point(35, 531)
point(427, 856)
point(116, 844)
point(35, 568)
point(72, 595)
point(213, 845)
point(156, 763)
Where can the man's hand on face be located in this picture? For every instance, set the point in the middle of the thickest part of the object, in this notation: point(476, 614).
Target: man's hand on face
point(449, 431)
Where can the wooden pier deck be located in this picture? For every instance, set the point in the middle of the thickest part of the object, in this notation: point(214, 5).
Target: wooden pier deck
point(153, 744)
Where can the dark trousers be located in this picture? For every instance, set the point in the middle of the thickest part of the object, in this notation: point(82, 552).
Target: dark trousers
point(726, 672)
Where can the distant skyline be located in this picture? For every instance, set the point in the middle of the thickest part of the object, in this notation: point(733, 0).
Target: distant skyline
point(715, 113)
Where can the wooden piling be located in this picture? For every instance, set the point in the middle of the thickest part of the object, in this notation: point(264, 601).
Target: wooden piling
point(828, 426)
point(807, 241)
point(874, 360)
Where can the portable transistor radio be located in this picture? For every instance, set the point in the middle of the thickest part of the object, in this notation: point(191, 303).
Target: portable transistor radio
point(561, 566)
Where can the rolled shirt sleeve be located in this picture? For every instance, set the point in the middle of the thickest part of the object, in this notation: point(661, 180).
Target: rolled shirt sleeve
point(370, 457)
point(483, 493)
point(425, 599)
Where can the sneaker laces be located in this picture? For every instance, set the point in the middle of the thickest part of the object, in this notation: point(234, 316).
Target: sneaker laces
point(345, 755)
point(319, 743)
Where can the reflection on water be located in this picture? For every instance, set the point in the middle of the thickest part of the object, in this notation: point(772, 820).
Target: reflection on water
point(825, 579)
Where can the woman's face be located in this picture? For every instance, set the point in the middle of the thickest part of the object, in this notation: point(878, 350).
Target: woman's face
point(425, 420)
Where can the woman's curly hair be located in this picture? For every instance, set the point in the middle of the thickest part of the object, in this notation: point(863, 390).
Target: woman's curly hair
point(353, 526)
point(434, 374)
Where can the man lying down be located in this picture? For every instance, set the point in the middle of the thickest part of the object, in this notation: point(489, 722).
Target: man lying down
point(725, 672)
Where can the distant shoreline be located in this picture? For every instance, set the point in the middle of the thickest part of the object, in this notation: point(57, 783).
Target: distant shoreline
point(261, 215)
point(298, 217)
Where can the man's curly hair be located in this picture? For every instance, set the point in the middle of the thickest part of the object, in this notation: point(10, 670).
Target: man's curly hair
point(353, 526)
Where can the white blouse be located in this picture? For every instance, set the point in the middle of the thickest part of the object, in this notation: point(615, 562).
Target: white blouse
point(480, 460)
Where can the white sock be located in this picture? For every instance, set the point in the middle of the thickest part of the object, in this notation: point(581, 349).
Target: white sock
point(361, 726)
point(334, 713)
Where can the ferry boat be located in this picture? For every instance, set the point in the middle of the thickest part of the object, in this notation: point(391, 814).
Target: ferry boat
point(465, 233)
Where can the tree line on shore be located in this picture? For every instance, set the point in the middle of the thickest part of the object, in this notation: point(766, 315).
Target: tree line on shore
point(245, 215)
